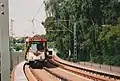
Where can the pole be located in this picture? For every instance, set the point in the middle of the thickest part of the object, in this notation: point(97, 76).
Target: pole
point(75, 38)
point(69, 43)
point(11, 44)
point(4, 41)
point(75, 43)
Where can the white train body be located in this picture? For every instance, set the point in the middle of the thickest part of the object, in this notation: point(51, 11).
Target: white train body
point(32, 57)
point(36, 52)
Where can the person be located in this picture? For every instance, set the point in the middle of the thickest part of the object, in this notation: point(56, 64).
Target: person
point(31, 50)
point(40, 52)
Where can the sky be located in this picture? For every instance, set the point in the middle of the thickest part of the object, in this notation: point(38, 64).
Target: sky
point(22, 12)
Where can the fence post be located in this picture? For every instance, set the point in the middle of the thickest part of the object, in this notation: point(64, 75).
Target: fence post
point(91, 64)
point(17, 59)
point(100, 66)
point(110, 68)
point(84, 63)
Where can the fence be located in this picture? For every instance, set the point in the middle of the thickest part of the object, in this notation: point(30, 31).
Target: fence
point(107, 68)
point(16, 57)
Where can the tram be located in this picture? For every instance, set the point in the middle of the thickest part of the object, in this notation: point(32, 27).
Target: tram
point(36, 52)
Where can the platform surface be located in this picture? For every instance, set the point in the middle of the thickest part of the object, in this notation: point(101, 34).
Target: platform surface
point(19, 73)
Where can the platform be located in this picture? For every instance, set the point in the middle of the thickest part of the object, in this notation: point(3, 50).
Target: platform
point(19, 73)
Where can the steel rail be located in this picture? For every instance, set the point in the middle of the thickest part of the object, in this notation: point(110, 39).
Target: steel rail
point(30, 76)
point(39, 79)
point(45, 75)
point(63, 74)
point(78, 72)
point(58, 76)
point(87, 70)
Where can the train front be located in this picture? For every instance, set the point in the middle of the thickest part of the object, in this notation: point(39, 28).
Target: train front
point(36, 52)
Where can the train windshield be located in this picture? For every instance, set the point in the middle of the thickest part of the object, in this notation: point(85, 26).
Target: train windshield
point(37, 46)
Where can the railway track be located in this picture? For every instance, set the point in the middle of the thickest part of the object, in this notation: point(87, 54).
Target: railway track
point(47, 73)
point(39, 74)
point(53, 73)
point(63, 74)
point(30, 76)
point(44, 75)
point(93, 75)
point(58, 70)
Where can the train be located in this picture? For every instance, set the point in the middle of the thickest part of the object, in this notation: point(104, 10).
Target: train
point(36, 51)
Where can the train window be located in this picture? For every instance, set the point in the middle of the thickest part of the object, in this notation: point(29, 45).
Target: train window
point(33, 47)
point(38, 45)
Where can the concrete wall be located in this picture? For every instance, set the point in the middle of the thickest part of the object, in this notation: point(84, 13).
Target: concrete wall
point(17, 57)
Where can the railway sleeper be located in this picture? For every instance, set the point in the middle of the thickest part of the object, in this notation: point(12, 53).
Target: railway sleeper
point(60, 77)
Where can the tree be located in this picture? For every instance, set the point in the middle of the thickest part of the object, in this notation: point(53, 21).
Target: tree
point(93, 39)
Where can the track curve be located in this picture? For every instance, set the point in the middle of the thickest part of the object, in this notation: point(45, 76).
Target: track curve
point(57, 69)
point(94, 75)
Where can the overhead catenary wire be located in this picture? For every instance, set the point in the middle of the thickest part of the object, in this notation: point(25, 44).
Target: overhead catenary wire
point(37, 11)
point(33, 19)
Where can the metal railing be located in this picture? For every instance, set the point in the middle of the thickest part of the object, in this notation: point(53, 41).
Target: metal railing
point(108, 68)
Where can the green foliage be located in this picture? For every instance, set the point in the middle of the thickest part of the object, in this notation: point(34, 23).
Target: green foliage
point(17, 44)
point(18, 47)
point(97, 59)
point(112, 60)
point(98, 28)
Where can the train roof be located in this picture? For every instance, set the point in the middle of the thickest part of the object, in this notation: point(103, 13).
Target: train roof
point(36, 38)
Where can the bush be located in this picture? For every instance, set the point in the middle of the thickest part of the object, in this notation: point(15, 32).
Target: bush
point(97, 59)
point(112, 60)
